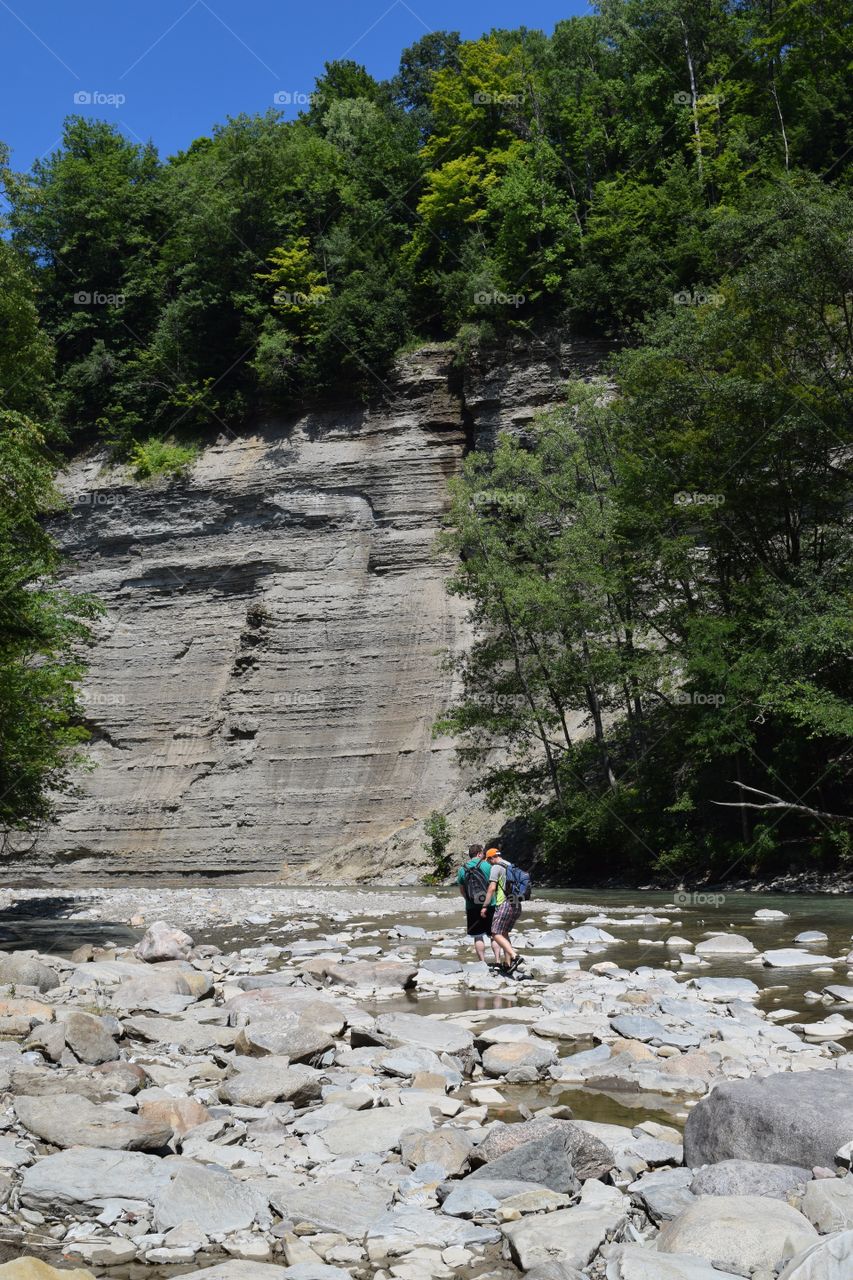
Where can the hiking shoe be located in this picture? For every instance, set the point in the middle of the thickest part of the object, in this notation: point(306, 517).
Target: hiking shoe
point(515, 964)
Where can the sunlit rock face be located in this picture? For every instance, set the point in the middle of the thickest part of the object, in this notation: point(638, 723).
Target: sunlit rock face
point(271, 660)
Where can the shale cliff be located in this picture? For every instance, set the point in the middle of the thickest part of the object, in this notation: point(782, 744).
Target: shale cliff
point(271, 659)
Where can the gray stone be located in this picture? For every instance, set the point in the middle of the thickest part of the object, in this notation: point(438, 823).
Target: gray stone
point(208, 1197)
point(725, 944)
point(107, 1080)
point(829, 1259)
point(664, 1193)
point(449, 1148)
point(636, 1262)
point(315, 1271)
point(271, 1080)
point(790, 958)
point(240, 1269)
point(547, 1161)
point(828, 1204)
point(590, 1157)
point(528, 1060)
point(379, 1129)
point(406, 1029)
point(70, 1181)
point(725, 988)
point(639, 1027)
point(403, 1228)
point(298, 1039)
point(572, 1236)
point(750, 1178)
point(69, 1120)
point(787, 1118)
point(738, 1233)
point(26, 969)
point(88, 1038)
point(332, 1204)
point(811, 935)
point(372, 974)
point(441, 966)
point(162, 942)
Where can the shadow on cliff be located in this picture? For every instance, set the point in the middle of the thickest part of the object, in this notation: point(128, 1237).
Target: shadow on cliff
point(46, 925)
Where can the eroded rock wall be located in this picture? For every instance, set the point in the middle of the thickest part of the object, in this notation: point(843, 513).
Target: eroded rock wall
point(270, 663)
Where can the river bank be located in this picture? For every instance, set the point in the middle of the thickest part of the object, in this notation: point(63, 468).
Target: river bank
point(321, 1084)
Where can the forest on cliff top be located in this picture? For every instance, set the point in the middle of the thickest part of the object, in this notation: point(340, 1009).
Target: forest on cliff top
point(668, 563)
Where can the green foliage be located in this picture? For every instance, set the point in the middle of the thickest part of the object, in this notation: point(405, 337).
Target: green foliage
point(161, 458)
point(42, 628)
point(437, 831)
point(660, 578)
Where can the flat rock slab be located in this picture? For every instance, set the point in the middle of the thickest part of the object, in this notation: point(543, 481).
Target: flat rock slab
point(634, 1026)
point(240, 1269)
point(428, 1033)
point(402, 1228)
point(448, 1148)
point(738, 1233)
point(372, 975)
point(28, 1268)
point(207, 1196)
point(790, 958)
point(725, 944)
point(750, 1178)
point(83, 1176)
point(379, 1129)
point(829, 1259)
point(69, 1120)
point(334, 1204)
point(635, 1262)
point(572, 1236)
point(527, 1060)
point(787, 1118)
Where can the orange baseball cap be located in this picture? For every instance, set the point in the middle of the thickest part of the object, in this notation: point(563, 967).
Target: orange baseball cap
point(492, 853)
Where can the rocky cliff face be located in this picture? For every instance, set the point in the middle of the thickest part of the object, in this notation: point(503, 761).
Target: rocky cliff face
point(271, 659)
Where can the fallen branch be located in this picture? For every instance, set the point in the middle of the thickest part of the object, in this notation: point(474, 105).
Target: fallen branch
point(772, 801)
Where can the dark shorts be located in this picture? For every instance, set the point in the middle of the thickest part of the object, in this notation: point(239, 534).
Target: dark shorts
point(505, 917)
point(477, 924)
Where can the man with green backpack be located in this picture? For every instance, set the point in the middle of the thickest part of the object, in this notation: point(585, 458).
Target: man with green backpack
point(473, 881)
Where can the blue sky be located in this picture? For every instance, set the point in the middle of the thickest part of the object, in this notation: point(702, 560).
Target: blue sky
point(182, 65)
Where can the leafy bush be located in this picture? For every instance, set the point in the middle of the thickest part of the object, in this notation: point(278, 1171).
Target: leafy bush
point(161, 458)
point(437, 831)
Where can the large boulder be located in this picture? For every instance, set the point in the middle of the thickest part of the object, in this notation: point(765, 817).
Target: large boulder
point(792, 1118)
point(589, 1155)
point(750, 1178)
point(74, 1180)
point(295, 1024)
point(163, 942)
point(26, 969)
point(69, 1120)
point(449, 1148)
point(636, 1262)
point(546, 1161)
point(738, 1233)
point(98, 1084)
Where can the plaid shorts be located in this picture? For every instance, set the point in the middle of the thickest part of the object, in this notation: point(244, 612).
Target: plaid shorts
point(505, 917)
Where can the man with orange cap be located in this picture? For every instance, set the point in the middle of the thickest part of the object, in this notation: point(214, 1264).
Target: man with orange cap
point(507, 910)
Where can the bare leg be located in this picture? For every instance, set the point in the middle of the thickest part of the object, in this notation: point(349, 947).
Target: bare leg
point(505, 946)
point(480, 946)
point(496, 949)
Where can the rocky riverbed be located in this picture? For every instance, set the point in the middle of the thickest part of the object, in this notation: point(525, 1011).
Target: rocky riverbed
point(311, 1084)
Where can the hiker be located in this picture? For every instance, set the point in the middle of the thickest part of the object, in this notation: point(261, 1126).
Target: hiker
point(473, 881)
point(507, 909)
